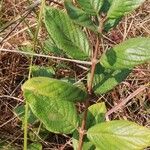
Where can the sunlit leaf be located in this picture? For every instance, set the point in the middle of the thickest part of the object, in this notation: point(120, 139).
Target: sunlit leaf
point(120, 8)
point(127, 54)
point(52, 102)
point(119, 135)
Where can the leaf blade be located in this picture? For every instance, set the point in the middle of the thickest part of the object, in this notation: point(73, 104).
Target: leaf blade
point(96, 114)
point(57, 116)
point(119, 135)
point(55, 88)
point(120, 8)
point(127, 54)
point(79, 16)
point(66, 35)
point(91, 6)
point(52, 102)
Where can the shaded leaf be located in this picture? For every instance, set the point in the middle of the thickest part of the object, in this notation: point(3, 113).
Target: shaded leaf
point(35, 146)
point(79, 16)
point(96, 114)
point(106, 5)
point(87, 145)
point(20, 112)
point(120, 135)
point(110, 23)
point(66, 35)
point(37, 71)
point(91, 6)
point(106, 79)
point(50, 47)
point(127, 54)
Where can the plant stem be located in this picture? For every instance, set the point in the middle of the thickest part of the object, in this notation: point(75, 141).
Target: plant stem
point(34, 47)
point(39, 24)
point(26, 114)
point(83, 125)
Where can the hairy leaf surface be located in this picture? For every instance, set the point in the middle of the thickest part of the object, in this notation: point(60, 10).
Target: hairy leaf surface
point(127, 54)
point(119, 135)
point(66, 35)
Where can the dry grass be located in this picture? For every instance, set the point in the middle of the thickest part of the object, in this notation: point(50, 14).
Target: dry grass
point(14, 71)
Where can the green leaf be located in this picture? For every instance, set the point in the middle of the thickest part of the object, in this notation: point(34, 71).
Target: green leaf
point(127, 54)
point(51, 101)
point(110, 23)
point(57, 115)
point(108, 82)
point(87, 145)
point(91, 6)
point(78, 84)
point(42, 71)
point(20, 112)
point(79, 16)
point(120, 8)
point(96, 114)
point(55, 89)
point(117, 9)
point(43, 133)
point(66, 35)
point(35, 146)
point(119, 135)
point(50, 47)
point(106, 79)
point(106, 5)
